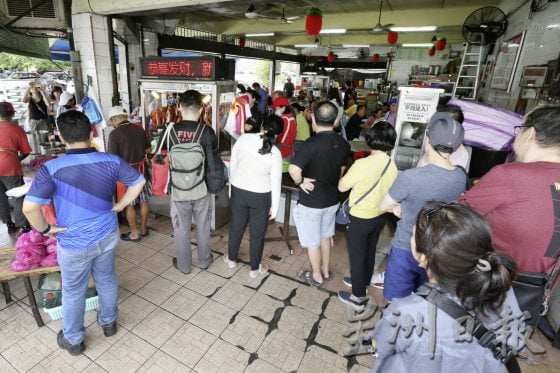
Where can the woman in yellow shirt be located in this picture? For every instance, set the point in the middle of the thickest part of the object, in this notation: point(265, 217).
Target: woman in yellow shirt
point(366, 219)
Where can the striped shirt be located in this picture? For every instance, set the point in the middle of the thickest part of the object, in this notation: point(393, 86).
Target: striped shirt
point(82, 185)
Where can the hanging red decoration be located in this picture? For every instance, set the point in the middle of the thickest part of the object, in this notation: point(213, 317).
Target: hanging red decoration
point(242, 42)
point(313, 21)
point(441, 43)
point(432, 51)
point(392, 37)
point(375, 58)
point(331, 57)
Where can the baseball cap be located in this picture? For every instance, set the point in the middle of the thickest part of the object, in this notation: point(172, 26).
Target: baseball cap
point(117, 110)
point(446, 131)
point(65, 97)
point(7, 107)
point(280, 101)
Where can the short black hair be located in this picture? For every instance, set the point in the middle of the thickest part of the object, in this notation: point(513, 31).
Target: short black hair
point(256, 85)
point(325, 114)
point(191, 100)
point(454, 110)
point(546, 121)
point(381, 136)
point(5, 112)
point(361, 106)
point(254, 94)
point(74, 126)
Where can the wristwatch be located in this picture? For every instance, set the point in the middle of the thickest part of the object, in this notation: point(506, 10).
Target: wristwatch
point(46, 230)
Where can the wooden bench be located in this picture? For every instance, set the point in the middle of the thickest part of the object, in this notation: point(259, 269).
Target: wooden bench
point(6, 258)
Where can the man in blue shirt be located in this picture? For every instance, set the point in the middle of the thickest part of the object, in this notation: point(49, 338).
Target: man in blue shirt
point(263, 102)
point(82, 184)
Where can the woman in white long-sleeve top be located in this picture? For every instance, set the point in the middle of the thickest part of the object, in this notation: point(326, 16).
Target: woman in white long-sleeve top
point(255, 180)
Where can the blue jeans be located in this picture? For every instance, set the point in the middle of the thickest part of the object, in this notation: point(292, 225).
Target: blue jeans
point(76, 266)
point(403, 274)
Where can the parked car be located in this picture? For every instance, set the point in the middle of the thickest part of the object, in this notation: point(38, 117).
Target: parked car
point(57, 78)
point(21, 75)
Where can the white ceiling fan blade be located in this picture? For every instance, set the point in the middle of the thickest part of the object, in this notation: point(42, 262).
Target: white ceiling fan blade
point(293, 18)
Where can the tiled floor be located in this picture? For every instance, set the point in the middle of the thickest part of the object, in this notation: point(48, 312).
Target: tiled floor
point(217, 320)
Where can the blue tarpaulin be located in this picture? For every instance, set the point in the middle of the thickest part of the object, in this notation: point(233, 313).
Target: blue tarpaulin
point(60, 51)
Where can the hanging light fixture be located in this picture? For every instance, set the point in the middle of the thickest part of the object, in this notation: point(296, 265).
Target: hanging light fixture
point(375, 58)
point(392, 37)
point(242, 42)
point(331, 57)
point(441, 43)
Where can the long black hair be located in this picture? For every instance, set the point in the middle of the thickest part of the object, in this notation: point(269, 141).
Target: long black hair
point(457, 244)
point(273, 126)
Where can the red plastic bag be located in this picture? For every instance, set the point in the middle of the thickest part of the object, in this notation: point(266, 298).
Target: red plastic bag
point(49, 213)
point(160, 174)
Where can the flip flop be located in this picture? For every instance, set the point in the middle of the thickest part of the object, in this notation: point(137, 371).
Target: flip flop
point(329, 278)
point(126, 237)
point(147, 233)
point(307, 276)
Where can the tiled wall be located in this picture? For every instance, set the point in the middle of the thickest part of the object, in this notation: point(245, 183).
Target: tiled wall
point(541, 45)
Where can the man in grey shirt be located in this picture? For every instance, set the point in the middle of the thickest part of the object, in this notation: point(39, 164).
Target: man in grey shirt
point(438, 181)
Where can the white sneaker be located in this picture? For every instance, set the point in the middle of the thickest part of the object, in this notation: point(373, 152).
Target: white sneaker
point(261, 271)
point(230, 263)
point(378, 280)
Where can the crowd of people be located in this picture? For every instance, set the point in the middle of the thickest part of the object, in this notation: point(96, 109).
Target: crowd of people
point(451, 244)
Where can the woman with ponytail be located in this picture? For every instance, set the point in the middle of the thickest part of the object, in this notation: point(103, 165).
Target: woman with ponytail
point(453, 244)
point(255, 178)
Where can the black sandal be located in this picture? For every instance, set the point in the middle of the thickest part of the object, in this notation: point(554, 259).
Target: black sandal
point(126, 237)
point(307, 276)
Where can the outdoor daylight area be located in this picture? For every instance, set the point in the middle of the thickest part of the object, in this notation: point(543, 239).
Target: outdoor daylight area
point(314, 186)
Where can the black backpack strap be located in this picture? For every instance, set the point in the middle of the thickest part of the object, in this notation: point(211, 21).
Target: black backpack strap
point(486, 338)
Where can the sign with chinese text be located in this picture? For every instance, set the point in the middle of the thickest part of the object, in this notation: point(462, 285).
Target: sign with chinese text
point(179, 68)
point(506, 62)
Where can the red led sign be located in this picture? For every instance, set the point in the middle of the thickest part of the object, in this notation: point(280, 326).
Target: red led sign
point(179, 68)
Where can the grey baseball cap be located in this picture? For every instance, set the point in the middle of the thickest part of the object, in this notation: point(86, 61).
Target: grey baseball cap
point(446, 131)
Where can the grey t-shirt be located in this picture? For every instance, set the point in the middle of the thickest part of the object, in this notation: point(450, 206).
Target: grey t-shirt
point(414, 187)
point(414, 336)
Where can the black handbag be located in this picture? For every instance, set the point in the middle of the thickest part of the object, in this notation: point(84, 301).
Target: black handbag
point(532, 291)
point(215, 172)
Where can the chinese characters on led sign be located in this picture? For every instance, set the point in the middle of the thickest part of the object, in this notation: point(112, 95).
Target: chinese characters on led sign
point(167, 68)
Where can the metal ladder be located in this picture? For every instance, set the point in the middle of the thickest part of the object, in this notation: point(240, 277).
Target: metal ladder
point(469, 71)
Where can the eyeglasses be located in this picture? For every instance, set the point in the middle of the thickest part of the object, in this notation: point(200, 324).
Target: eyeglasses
point(517, 129)
point(429, 212)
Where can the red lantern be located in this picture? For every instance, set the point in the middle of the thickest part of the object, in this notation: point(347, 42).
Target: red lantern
point(392, 37)
point(331, 57)
point(441, 43)
point(242, 42)
point(432, 51)
point(313, 21)
point(375, 58)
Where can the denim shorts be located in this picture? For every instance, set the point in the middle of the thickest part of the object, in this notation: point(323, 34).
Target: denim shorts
point(314, 224)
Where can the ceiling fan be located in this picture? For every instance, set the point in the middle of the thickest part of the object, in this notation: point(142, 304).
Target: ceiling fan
point(252, 13)
point(379, 27)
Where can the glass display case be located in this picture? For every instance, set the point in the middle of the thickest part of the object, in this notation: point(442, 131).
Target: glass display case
point(159, 99)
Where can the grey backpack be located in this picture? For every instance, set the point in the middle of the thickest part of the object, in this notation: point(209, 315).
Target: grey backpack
point(186, 169)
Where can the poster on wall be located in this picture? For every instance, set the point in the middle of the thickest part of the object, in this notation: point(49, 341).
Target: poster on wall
point(415, 108)
point(506, 62)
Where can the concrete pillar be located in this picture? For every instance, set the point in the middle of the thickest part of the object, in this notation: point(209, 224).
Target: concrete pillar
point(91, 39)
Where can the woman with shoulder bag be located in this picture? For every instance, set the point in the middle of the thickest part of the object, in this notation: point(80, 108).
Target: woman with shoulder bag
point(466, 318)
point(369, 180)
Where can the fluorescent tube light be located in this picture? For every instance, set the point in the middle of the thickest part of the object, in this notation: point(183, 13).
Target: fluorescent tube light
point(333, 31)
point(355, 45)
point(260, 34)
point(413, 28)
point(305, 45)
point(417, 45)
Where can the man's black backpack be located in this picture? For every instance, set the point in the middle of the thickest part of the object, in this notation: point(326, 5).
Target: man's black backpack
point(215, 172)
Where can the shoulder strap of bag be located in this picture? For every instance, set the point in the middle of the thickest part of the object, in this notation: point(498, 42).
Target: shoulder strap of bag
point(486, 338)
point(200, 127)
point(165, 138)
point(374, 185)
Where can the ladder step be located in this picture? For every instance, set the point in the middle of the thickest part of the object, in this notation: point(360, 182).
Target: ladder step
point(465, 87)
point(472, 54)
point(470, 65)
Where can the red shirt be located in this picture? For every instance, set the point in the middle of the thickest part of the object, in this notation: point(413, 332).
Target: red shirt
point(14, 140)
point(521, 201)
point(285, 141)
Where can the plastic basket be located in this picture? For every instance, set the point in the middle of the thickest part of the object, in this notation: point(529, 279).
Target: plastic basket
point(56, 312)
point(53, 298)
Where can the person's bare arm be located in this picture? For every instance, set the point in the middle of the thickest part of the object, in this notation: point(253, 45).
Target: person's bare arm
point(131, 193)
point(390, 205)
point(306, 184)
point(34, 215)
point(26, 94)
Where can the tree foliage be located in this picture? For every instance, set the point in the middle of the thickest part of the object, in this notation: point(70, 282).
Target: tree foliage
point(15, 62)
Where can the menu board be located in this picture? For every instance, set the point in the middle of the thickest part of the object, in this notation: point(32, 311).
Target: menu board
point(506, 62)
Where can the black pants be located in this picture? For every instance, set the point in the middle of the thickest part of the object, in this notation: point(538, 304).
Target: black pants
point(362, 237)
point(6, 183)
point(254, 208)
